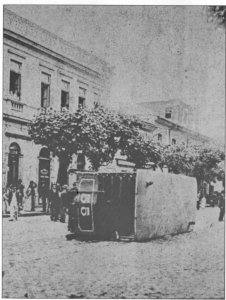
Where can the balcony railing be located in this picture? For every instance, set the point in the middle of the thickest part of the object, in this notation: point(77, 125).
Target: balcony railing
point(17, 106)
point(19, 109)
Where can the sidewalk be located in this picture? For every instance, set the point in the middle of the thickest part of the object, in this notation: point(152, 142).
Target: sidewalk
point(23, 213)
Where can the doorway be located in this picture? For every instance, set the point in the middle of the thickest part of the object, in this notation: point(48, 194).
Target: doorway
point(44, 169)
point(13, 164)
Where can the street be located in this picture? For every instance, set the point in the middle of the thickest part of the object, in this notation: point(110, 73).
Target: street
point(38, 262)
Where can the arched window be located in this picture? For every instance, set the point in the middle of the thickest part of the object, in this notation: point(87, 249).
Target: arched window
point(44, 152)
point(14, 149)
point(13, 163)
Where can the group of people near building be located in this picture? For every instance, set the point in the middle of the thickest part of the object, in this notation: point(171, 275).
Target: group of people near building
point(55, 201)
point(13, 198)
point(61, 200)
point(219, 200)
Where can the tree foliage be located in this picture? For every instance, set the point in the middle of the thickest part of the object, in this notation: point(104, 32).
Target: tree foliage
point(198, 161)
point(142, 151)
point(217, 15)
point(99, 133)
point(179, 159)
point(206, 163)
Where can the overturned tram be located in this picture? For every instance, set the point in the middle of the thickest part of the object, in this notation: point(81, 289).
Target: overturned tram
point(139, 206)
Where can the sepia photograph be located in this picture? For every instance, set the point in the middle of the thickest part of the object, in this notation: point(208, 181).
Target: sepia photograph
point(113, 151)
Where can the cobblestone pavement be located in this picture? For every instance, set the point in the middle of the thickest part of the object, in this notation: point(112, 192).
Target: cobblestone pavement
point(38, 262)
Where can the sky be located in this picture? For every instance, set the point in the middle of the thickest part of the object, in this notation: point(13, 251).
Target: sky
point(158, 53)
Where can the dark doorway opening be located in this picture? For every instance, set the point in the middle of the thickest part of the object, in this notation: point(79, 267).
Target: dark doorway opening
point(44, 168)
point(44, 176)
point(81, 161)
point(13, 164)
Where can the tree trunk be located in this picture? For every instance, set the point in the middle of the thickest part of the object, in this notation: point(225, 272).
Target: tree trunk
point(62, 177)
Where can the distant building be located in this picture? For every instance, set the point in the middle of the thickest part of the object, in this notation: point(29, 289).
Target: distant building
point(42, 70)
point(173, 122)
point(173, 110)
point(168, 122)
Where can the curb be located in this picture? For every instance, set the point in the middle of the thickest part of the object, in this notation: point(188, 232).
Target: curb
point(28, 214)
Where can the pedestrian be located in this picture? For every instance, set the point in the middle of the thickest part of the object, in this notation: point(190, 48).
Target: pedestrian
point(9, 193)
point(14, 205)
point(58, 202)
point(64, 195)
point(20, 194)
point(198, 200)
point(43, 194)
point(203, 202)
point(54, 199)
point(73, 208)
point(31, 194)
point(222, 206)
point(5, 199)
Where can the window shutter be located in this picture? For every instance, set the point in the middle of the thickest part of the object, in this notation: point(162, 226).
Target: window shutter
point(48, 97)
point(67, 99)
point(19, 86)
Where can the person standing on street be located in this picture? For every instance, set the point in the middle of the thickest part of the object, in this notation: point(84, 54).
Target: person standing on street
point(10, 194)
point(5, 201)
point(203, 202)
point(43, 193)
point(222, 206)
point(20, 194)
point(198, 200)
point(31, 194)
point(72, 208)
point(14, 205)
point(64, 203)
point(54, 200)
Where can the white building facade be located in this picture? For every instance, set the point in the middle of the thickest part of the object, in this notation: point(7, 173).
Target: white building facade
point(41, 70)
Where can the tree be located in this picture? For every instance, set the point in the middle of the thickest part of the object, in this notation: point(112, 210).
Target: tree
point(97, 132)
point(53, 129)
point(217, 14)
point(179, 159)
point(142, 151)
point(200, 162)
point(106, 132)
point(206, 164)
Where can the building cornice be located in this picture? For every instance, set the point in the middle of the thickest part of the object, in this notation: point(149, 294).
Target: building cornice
point(14, 119)
point(18, 136)
point(10, 35)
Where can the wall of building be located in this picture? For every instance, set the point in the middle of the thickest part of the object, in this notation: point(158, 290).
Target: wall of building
point(28, 161)
point(181, 113)
point(38, 52)
point(33, 64)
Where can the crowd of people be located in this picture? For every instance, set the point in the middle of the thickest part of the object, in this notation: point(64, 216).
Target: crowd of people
point(14, 198)
point(219, 200)
point(55, 201)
